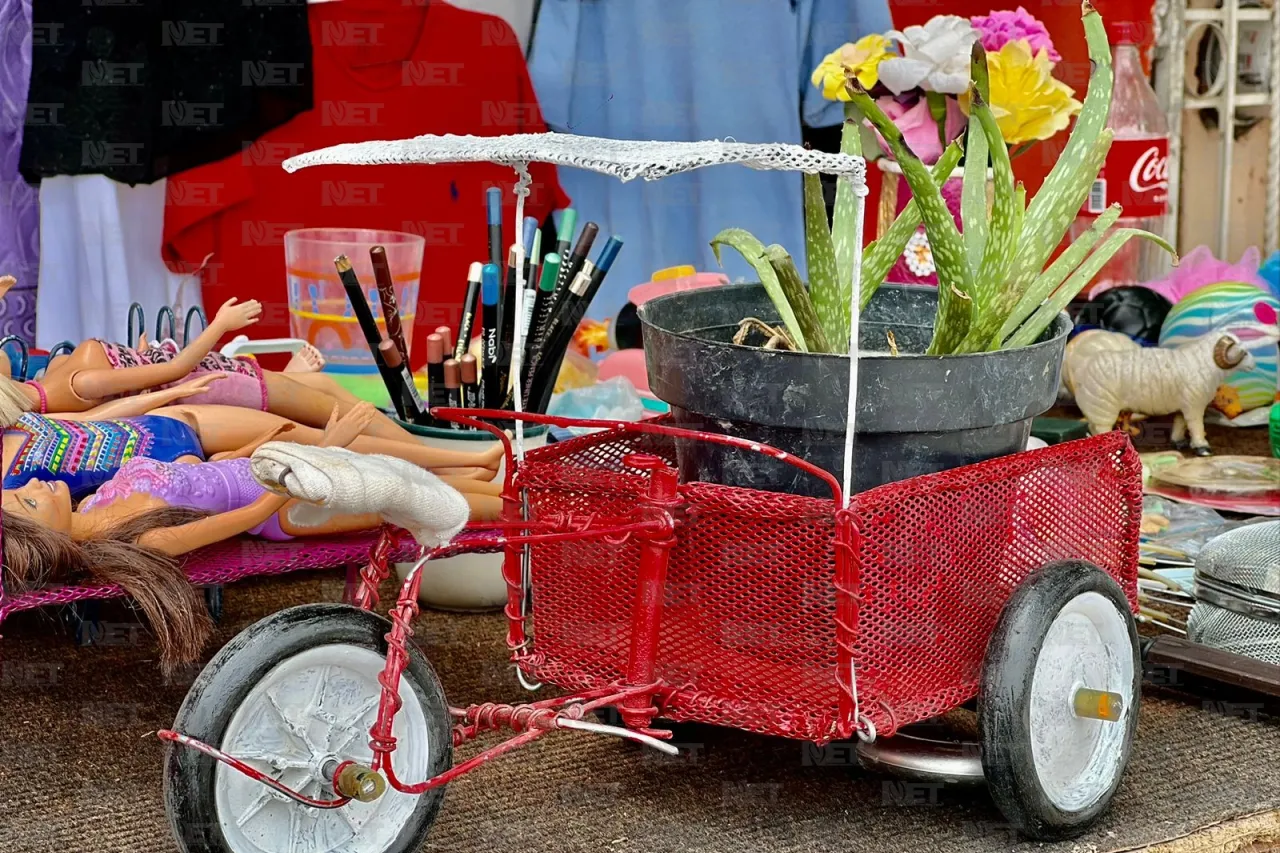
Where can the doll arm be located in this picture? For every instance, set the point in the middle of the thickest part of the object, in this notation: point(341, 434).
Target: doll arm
point(185, 538)
point(141, 404)
point(247, 451)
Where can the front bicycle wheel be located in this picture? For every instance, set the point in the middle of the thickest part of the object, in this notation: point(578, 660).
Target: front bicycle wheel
point(294, 695)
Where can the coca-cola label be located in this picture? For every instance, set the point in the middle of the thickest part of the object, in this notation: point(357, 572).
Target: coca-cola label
point(1136, 176)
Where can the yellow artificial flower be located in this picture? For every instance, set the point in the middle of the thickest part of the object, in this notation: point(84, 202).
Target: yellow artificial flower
point(861, 59)
point(1028, 103)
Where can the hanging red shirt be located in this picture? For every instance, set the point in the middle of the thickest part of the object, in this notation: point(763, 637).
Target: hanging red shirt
point(383, 69)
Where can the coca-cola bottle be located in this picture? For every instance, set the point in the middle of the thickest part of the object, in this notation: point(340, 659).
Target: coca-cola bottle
point(1136, 173)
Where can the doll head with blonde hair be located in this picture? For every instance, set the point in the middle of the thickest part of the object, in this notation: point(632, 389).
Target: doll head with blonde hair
point(13, 403)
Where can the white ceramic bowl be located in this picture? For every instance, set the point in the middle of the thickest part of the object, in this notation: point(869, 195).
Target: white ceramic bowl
point(467, 582)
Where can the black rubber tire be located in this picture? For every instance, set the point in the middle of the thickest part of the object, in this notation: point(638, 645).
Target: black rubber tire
point(1004, 699)
point(242, 663)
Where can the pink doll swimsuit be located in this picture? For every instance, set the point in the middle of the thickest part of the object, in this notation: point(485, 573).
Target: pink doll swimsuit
point(215, 487)
point(244, 386)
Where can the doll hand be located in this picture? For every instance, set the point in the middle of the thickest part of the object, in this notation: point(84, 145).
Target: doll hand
point(233, 316)
point(341, 431)
point(196, 386)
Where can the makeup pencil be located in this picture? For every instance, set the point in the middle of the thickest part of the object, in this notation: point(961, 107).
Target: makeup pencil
point(493, 213)
point(507, 317)
point(446, 333)
point(541, 303)
point(403, 379)
point(470, 382)
point(570, 266)
point(532, 263)
point(435, 370)
point(584, 288)
point(470, 304)
point(564, 236)
point(491, 385)
point(453, 385)
point(387, 298)
point(364, 316)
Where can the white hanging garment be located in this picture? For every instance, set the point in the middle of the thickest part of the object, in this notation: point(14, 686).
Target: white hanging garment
point(99, 252)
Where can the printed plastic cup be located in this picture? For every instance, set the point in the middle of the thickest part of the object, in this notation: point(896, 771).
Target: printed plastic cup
point(467, 582)
point(319, 311)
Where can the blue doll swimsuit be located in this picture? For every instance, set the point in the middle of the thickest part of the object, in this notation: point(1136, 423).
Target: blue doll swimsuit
point(86, 454)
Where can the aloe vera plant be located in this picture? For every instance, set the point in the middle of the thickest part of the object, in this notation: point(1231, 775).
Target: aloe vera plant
point(996, 287)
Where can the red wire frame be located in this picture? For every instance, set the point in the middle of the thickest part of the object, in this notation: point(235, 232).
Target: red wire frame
point(533, 720)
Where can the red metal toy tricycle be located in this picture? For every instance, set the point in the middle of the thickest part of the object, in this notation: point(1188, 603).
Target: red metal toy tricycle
point(1012, 581)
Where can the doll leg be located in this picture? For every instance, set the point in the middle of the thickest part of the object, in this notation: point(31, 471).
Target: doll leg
point(306, 360)
point(307, 405)
point(225, 428)
point(325, 384)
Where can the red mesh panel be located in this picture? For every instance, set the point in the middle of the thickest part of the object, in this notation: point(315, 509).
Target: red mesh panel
point(748, 630)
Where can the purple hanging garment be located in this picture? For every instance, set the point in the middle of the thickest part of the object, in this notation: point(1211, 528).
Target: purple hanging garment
point(19, 202)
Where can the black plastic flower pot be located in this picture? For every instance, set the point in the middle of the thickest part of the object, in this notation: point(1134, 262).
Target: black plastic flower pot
point(916, 414)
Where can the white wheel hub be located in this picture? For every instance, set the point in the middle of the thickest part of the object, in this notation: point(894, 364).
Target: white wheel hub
point(1087, 646)
point(309, 710)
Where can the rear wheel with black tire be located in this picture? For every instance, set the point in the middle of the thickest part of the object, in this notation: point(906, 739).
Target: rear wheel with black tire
point(294, 695)
point(1058, 703)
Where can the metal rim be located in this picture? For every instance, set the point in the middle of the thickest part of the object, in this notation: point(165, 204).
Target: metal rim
point(1250, 602)
point(310, 709)
point(1077, 759)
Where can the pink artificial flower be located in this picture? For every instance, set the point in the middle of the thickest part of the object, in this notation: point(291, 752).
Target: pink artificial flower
point(999, 28)
point(918, 127)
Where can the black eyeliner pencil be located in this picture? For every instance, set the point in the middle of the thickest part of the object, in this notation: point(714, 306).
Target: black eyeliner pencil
point(569, 269)
point(369, 326)
point(583, 289)
point(470, 305)
point(507, 319)
point(541, 304)
point(491, 385)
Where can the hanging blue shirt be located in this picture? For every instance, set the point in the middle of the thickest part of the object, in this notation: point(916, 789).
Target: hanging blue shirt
point(689, 70)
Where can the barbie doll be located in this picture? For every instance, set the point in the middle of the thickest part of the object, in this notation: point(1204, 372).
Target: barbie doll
point(151, 512)
point(100, 371)
point(86, 450)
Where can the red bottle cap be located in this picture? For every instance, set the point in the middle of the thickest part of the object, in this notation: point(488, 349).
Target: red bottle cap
point(1126, 21)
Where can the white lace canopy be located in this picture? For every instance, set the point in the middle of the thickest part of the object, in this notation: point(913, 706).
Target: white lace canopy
point(625, 160)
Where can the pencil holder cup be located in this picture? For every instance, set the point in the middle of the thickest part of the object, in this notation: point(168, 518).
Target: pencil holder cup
point(467, 582)
point(319, 311)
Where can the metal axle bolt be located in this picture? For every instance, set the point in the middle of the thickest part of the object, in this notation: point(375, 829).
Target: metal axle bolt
point(1098, 705)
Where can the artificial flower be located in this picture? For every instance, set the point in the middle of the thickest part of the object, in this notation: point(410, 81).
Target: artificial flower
point(919, 255)
point(999, 28)
point(1028, 103)
point(861, 59)
point(913, 118)
point(935, 57)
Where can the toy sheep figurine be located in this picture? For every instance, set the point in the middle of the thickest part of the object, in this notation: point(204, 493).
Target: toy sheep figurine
point(1159, 381)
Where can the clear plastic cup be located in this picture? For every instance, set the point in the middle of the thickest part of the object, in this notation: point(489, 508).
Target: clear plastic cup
point(319, 312)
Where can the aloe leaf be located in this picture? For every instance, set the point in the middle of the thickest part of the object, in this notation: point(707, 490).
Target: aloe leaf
point(845, 215)
point(1056, 205)
point(828, 293)
point(1056, 273)
point(881, 255)
point(793, 287)
point(992, 283)
point(973, 195)
point(955, 281)
point(746, 244)
point(1030, 331)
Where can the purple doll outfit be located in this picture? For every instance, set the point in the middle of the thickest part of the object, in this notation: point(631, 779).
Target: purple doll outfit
point(215, 487)
point(19, 202)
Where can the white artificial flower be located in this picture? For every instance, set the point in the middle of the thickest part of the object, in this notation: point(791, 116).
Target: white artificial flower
point(935, 57)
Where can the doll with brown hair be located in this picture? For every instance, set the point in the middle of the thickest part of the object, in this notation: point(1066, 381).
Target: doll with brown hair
point(85, 451)
point(99, 371)
point(132, 531)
